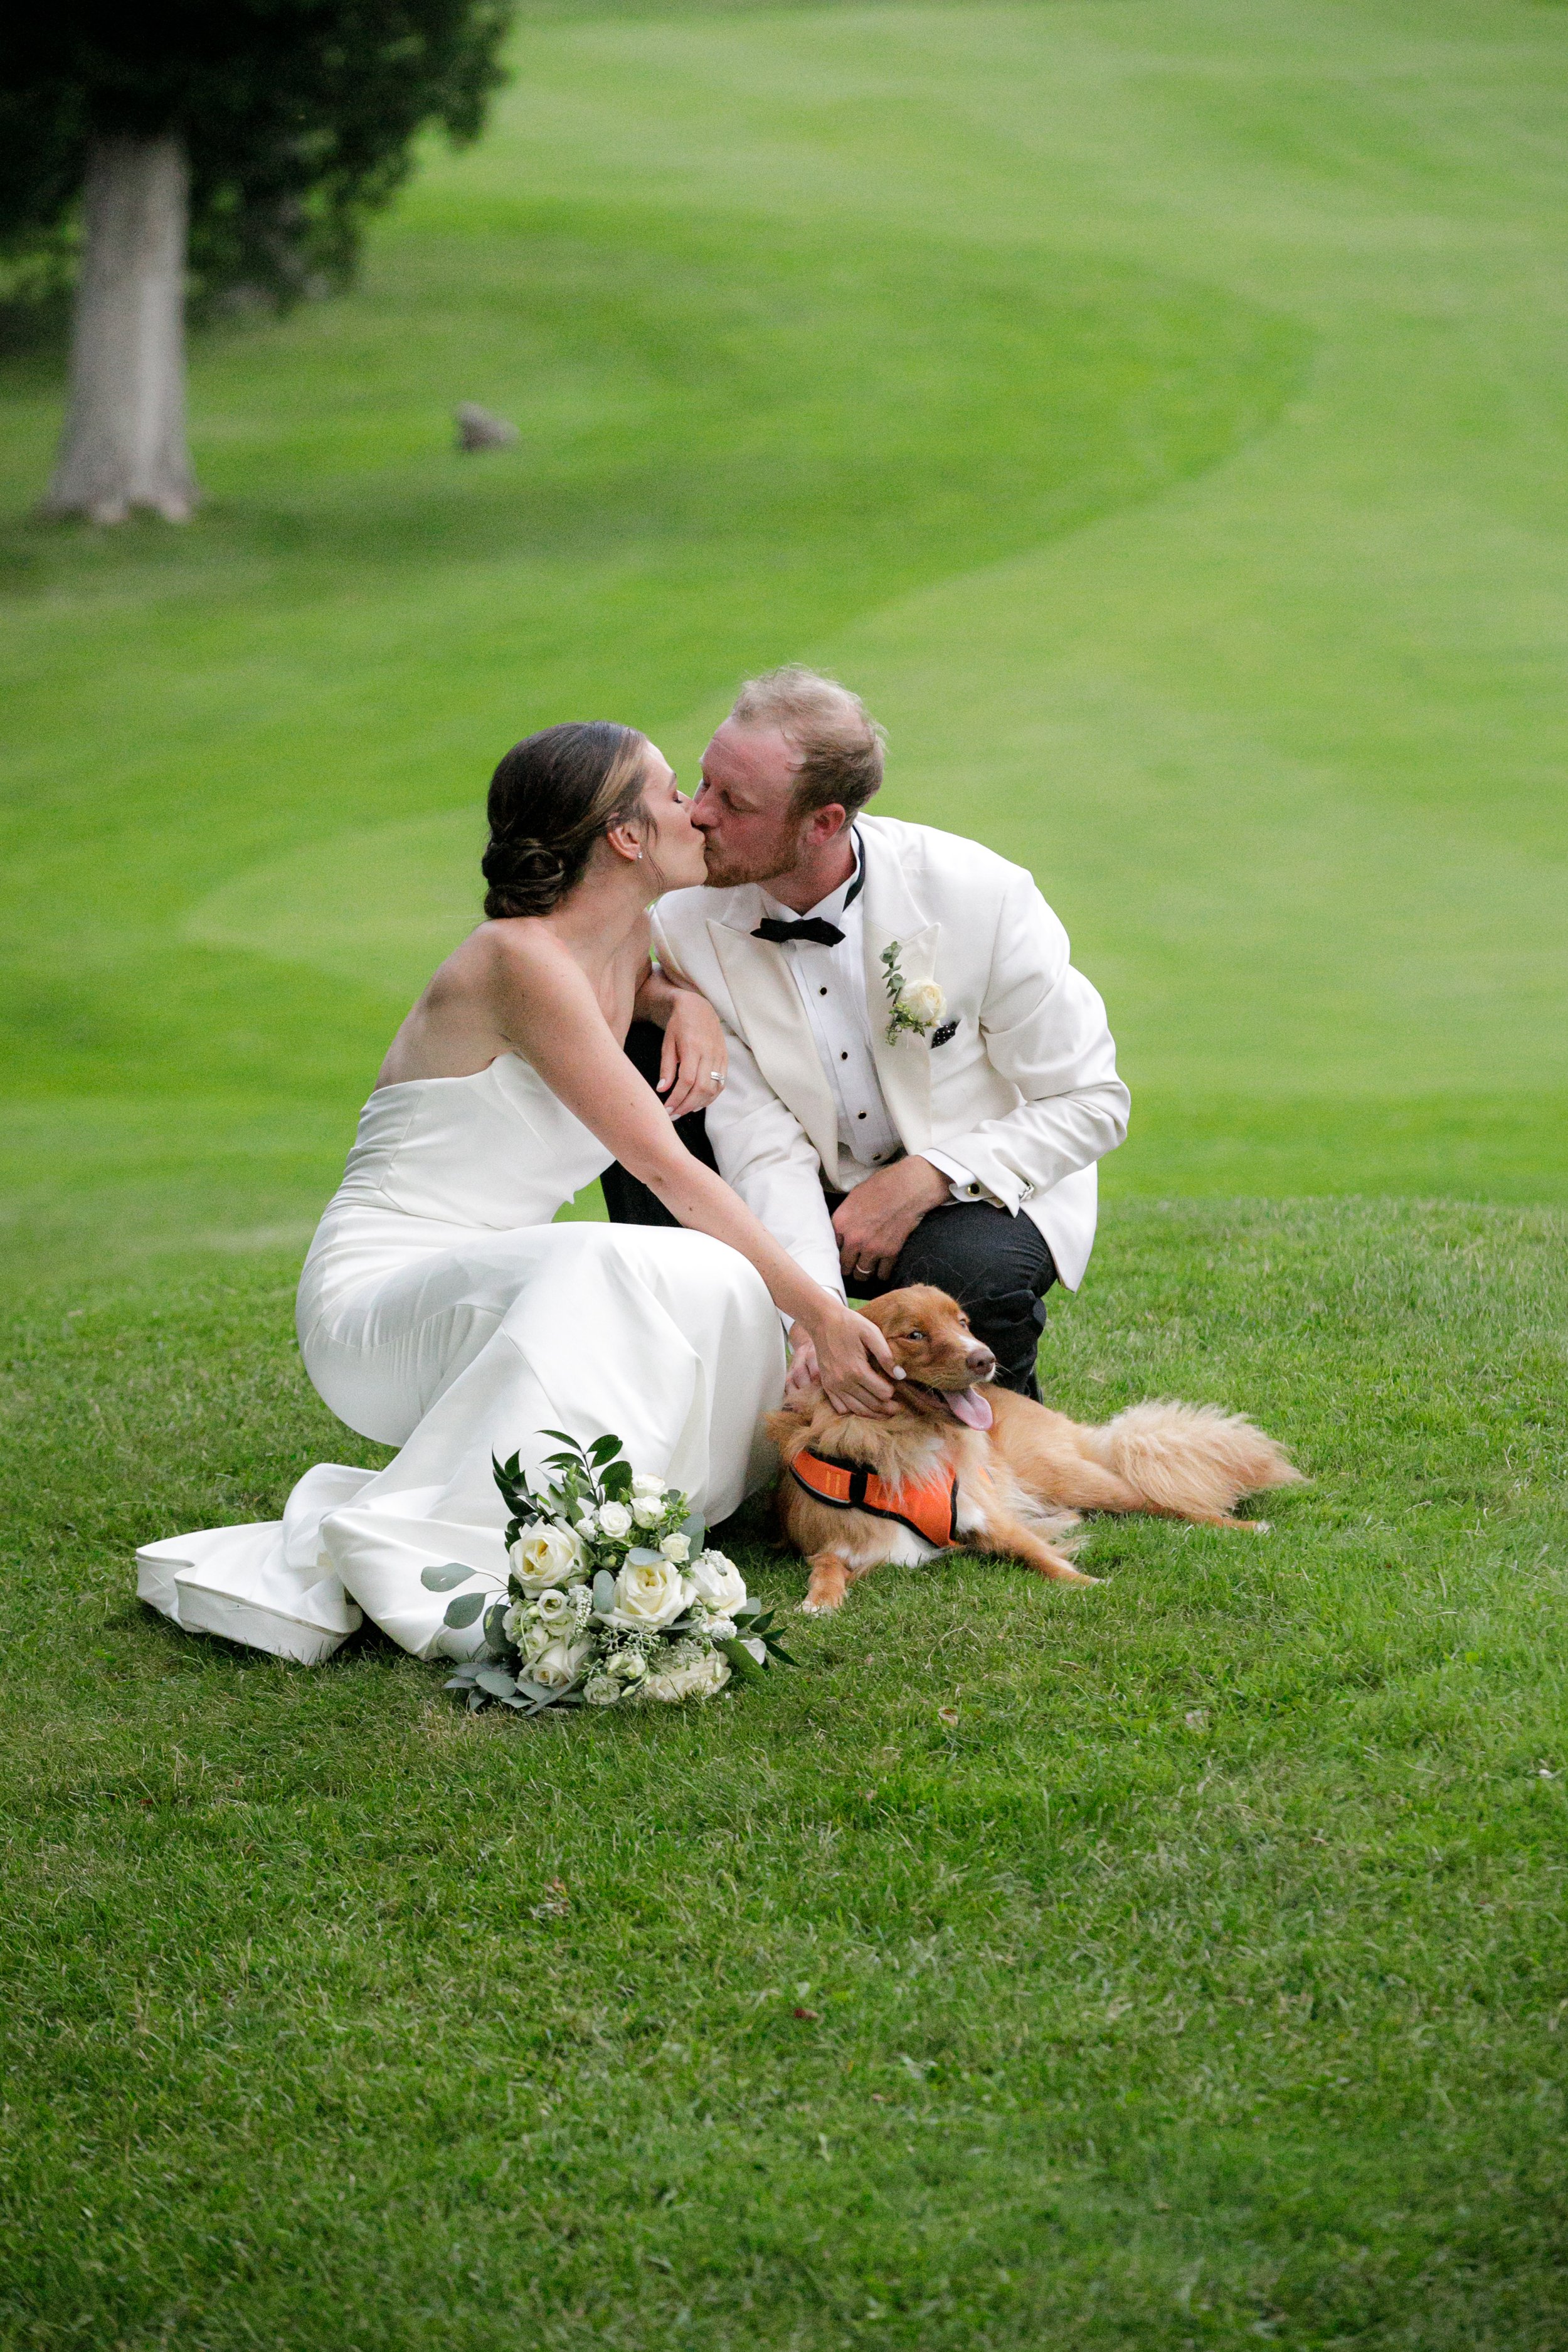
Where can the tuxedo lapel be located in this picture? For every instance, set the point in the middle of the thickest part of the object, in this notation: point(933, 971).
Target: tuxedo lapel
point(893, 916)
point(772, 1020)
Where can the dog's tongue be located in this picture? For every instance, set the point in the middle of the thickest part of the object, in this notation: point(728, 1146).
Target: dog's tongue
point(971, 1408)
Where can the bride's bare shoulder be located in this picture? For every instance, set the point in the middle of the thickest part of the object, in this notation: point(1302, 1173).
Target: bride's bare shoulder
point(500, 953)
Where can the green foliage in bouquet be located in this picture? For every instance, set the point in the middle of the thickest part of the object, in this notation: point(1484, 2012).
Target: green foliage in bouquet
point(610, 1596)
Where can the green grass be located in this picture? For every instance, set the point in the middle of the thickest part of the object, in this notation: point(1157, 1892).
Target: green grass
point(1203, 1981)
point(1156, 407)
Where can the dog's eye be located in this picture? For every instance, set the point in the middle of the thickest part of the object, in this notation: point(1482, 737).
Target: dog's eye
point(914, 1335)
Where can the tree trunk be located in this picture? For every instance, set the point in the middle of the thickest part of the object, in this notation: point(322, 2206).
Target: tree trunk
point(124, 439)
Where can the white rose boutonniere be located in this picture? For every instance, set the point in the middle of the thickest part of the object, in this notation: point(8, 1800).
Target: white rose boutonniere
point(917, 1005)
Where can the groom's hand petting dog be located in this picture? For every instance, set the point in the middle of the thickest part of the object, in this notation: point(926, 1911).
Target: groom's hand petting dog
point(960, 1464)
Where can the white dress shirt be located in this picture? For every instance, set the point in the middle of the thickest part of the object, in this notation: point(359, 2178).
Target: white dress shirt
point(832, 984)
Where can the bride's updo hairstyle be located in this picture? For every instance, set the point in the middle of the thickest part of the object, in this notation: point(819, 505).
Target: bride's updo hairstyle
point(551, 798)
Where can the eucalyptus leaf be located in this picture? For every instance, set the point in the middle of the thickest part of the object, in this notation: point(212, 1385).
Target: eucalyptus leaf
point(446, 1577)
point(475, 1700)
point(604, 1593)
point(461, 1678)
point(695, 1528)
point(497, 1681)
point(641, 1556)
point(465, 1609)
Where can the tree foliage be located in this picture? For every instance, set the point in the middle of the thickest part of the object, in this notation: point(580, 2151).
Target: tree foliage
point(297, 116)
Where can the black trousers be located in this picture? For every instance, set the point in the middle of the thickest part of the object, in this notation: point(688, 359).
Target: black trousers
point(998, 1267)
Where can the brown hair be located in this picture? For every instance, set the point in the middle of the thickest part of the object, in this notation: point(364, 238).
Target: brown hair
point(840, 745)
point(551, 798)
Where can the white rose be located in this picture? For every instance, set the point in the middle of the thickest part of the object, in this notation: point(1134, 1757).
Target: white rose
point(924, 1000)
point(704, 1680)
point(645, 1483)
point(533, 1638)
point(627, 1666)
point(559, 1666)
point(648, 1510)
point(546, 1556)
point(720, 1584)
point(600, 1691)
point(585, 1518)
point(614, 1520)
point(677, 1548)
point(650, 1592)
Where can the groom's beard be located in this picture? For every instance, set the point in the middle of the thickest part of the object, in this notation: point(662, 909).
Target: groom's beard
point(728, 871)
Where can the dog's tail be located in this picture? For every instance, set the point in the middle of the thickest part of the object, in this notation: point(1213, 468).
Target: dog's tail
point(1191, 1459)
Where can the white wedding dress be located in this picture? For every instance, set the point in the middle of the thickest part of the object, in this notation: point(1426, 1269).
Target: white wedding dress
point(442, 1312)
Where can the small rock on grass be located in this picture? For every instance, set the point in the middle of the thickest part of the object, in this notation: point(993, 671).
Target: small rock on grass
point(478, 429)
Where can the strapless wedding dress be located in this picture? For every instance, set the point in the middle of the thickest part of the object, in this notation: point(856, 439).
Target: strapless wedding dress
point(441, 1311)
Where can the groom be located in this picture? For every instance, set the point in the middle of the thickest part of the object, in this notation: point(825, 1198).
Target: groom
point(919, 1082)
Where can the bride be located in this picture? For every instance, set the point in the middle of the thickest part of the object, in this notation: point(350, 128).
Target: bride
point(441, 1311)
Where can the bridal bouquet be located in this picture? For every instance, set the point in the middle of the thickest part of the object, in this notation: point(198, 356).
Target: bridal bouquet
point(611, 1599)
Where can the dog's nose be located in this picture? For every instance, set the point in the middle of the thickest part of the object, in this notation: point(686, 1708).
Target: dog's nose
point(981, 1362)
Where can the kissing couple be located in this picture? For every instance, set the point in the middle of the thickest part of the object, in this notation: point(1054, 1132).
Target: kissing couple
point(878, 1066)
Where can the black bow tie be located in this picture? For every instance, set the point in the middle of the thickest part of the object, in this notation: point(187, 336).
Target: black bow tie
point(811, 927)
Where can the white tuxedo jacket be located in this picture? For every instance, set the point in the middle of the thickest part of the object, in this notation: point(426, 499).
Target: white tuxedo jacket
point(1024, 1093)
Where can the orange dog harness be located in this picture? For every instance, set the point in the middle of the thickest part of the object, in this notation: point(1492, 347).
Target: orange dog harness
point(929, 1509)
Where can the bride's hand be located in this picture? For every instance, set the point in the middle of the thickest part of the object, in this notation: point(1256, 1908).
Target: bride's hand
point(696, 1058)
point(854, 1363)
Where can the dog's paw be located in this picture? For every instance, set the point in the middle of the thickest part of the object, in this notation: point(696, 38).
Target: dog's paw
point(1259, 1526)
point(810, 1607)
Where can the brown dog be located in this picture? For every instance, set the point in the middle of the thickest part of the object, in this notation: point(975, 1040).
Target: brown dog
point(963, 1466)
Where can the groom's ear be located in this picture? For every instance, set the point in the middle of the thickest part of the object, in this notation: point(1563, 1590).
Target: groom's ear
point(823, 824)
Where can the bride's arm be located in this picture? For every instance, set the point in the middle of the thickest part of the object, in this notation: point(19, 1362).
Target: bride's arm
point(696, 1057)
point(552, 1017)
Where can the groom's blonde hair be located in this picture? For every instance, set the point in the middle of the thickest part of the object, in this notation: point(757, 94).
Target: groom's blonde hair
point(839, 744)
